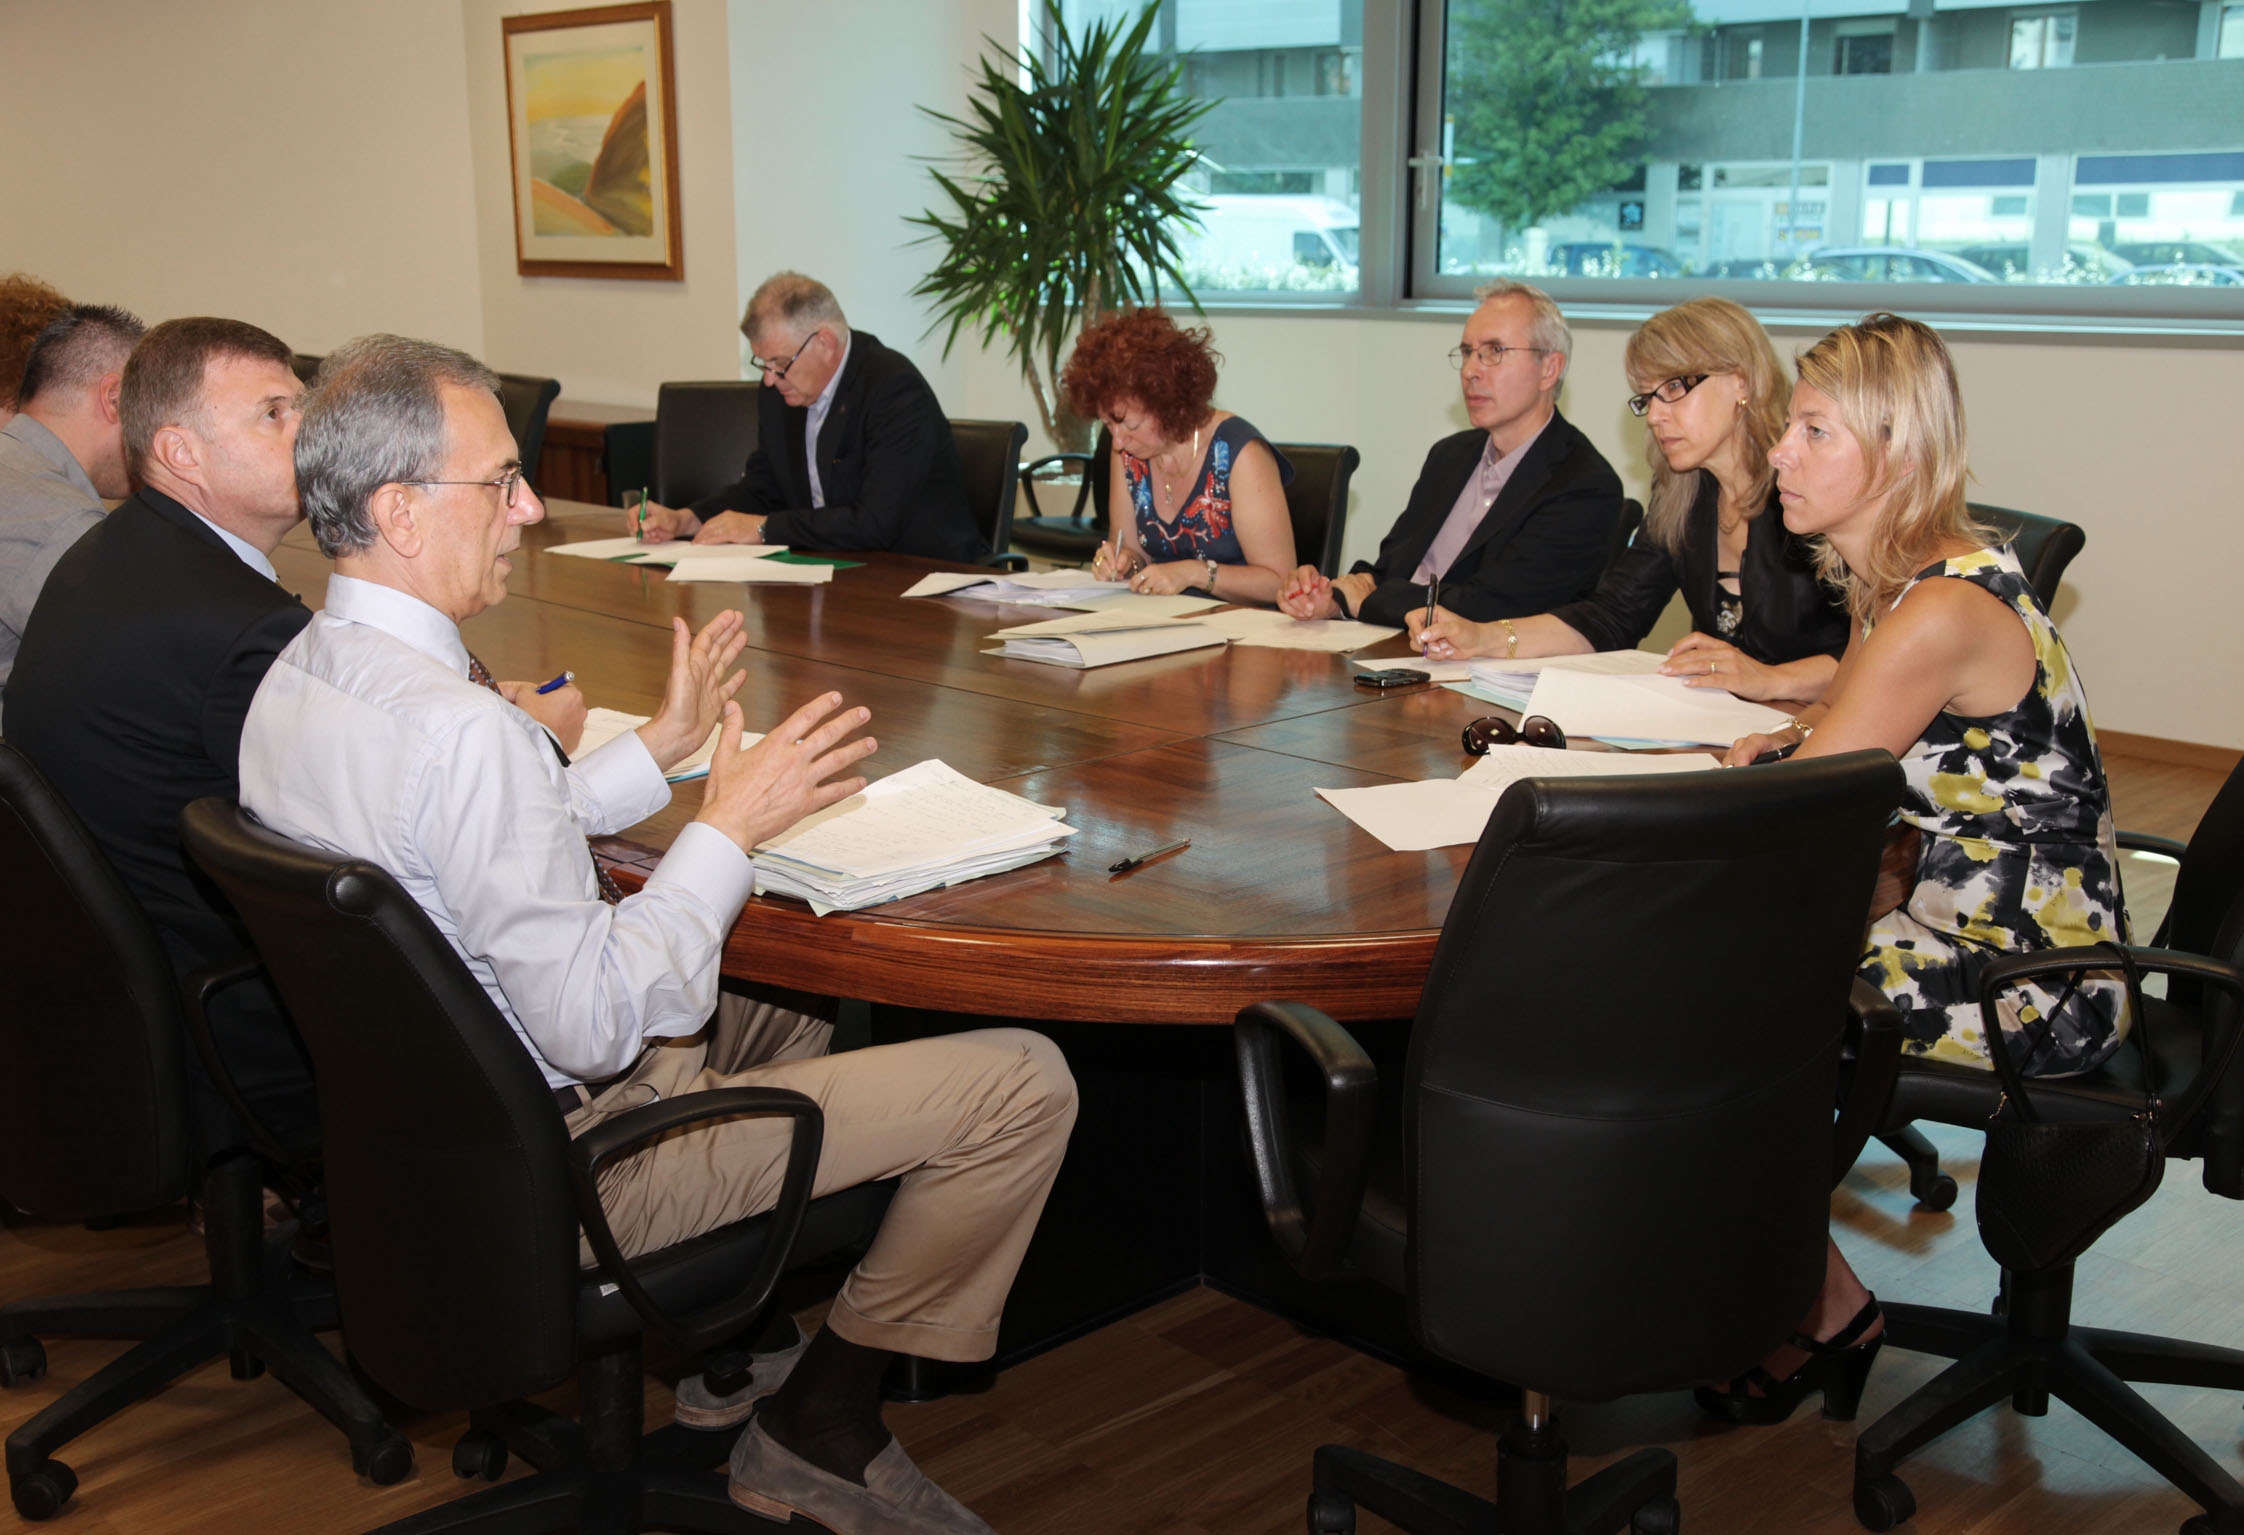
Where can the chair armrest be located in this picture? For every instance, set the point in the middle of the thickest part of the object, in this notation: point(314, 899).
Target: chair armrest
point(1874, 1031)
point(1082, 491)
point(2145, 842)
point(198, 989)
point(592, 1151)
point(1008, 561)
point(1316, 1244)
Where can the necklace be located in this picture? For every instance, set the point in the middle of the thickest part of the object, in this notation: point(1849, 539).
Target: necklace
point(1168, 487)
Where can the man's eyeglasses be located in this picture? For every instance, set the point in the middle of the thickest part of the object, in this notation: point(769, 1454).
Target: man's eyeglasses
point(506, 484)
point(1495, 730)
point(776, 368)
point(1489, 354)
point(1668, 393)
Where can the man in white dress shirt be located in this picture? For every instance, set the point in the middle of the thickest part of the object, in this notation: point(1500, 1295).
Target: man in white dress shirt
point(371, 735)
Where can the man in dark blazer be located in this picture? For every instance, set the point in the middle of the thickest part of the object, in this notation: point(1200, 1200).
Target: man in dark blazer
point(852, 452)
point(1515, 516)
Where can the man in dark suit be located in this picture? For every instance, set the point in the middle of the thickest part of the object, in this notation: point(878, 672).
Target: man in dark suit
point(1515, 516)
point(853, 451)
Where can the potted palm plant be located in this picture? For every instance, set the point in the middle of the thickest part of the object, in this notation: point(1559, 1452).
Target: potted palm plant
point(1063, 201)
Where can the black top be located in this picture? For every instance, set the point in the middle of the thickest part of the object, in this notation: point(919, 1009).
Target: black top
point(886, 461)
point(1543, 542)
point(1789, 614)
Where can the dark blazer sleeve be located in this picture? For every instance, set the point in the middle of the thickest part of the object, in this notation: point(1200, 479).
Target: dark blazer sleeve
point(1628, 601)
point(233, 684)
point(1448, 464)
point(757, 490)
point(896, 434)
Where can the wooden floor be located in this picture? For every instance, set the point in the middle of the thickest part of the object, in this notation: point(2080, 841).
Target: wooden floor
point(1201, 1413)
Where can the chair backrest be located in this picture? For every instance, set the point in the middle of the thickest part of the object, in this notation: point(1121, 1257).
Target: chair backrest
point(1632, 518)
point(454, 1230)
point(95, 1121)
point(704, 433)
point(989, 453)
point(527, 402)
point(1317, 500)
point(2210, 883)
point(1618, 1099)
point(2044, 545)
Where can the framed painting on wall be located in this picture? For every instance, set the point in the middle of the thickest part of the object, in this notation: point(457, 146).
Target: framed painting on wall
point(592, 127)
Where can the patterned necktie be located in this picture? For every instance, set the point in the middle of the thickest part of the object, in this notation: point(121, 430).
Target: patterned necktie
point(480, 675)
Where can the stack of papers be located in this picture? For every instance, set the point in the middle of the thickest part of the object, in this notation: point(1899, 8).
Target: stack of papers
point(1647, 708)
point(1036, 589)
point(1453, 812)
point(1509, 684)
point(912, 831)
point(1266, 626)
point(1103, 644)
point(603, 725)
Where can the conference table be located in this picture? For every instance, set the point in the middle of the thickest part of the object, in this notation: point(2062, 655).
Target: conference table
point(1279, 896)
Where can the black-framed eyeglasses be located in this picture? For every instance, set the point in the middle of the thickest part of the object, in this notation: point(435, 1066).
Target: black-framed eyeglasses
point(1495, 730)
point(1668, 393)
point(506, 484)
point(1489, 354)
point(777, 369)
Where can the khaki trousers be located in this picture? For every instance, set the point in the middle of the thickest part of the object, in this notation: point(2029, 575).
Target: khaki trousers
point(973, 1125)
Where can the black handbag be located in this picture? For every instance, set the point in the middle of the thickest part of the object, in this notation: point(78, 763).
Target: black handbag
point(2047, 1191)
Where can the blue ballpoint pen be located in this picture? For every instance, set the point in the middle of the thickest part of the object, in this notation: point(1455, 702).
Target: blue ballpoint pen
point(561, 681)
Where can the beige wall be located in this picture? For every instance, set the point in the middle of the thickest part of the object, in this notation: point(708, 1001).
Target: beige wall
point(331, 169)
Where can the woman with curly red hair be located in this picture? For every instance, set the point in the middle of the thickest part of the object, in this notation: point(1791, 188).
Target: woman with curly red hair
point(1206, 491)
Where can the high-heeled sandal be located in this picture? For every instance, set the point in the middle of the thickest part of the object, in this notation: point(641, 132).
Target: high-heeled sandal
point(1837, 1365)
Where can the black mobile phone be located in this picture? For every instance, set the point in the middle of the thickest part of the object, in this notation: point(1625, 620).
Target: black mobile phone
point(1389, 677)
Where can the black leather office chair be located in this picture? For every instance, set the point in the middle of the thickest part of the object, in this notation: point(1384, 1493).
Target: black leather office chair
point(2029, 1349)
point(2044, 545)
point(1632, 518)
point(455, 1196)
point(703, 435)
point(1613, 1162)
point(96, 1127)
point(527, 402)
point(990, 454)
point(1075, 536)
point(1317, 500)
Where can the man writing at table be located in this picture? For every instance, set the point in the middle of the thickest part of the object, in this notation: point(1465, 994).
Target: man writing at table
point(372, 737)
point(852, 450)
point(1513, 517)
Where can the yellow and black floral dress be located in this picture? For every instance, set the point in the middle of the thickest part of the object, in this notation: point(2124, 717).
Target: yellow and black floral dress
point(2018, 854)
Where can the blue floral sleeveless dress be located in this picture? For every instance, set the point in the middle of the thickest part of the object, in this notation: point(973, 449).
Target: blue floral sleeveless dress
point(2017, 855)
point(1203, 529)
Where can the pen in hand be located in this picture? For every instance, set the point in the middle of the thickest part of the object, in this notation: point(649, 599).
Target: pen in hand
point(639, 529)
point(557, 683)
point(1433, 601)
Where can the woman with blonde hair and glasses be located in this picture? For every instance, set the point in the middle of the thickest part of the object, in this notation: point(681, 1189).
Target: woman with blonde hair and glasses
point(1956, 669)
point(1712, 396)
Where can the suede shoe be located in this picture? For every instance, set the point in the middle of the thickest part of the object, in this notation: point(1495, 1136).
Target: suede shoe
point(699, 1407)
point(897, 1498)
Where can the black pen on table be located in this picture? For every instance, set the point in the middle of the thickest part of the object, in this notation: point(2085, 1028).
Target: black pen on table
point(557, 683)
point(1149, 855)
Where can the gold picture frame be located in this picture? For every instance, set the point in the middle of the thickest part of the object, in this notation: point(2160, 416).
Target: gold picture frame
point(592, 140)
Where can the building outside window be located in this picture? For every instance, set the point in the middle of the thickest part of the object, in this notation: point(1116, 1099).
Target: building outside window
point(2042, 42)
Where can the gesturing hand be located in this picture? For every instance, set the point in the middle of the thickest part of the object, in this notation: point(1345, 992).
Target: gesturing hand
point(698, 687)
point(756, 794)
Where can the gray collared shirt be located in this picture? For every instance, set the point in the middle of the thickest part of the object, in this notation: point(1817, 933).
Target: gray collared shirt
point(817, 419)
point(47, 502)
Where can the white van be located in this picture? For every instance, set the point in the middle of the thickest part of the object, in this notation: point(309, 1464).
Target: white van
point(1271, 242)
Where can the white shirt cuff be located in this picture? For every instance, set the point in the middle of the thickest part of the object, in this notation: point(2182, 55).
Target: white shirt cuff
point(622, 780)
point(711, 865)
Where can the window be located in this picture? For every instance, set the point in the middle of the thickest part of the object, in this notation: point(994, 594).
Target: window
point(1565, 144)
point(2042, 42)
point(1281, 152)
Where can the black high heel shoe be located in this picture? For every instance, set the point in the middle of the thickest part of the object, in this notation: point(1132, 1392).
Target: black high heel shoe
point(1838, 1366)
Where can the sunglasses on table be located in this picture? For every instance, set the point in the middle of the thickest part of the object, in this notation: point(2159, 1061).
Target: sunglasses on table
point(1495, 730)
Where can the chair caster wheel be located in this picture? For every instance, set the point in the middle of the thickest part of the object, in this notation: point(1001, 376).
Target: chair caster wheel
point(21, 1360)
point(40, 1494)
point(1661, 1516)
point(1332, 1513)
point(1881, 1502)
point(479, 1454)
point(390, 1461)
point(1939, 1194)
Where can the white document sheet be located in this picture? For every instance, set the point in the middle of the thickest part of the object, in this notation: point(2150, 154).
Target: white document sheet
point(1453, 812)
point(676, 553)
point(1268, 627)
point(603, 725)
point(1109, 616)
point(604, 548)
point(1036, 589)
point(1150, 604)
point(929, 813)
point(1435, 671)
point(752, 570)
point(1105, 647)
point(1646, 708)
